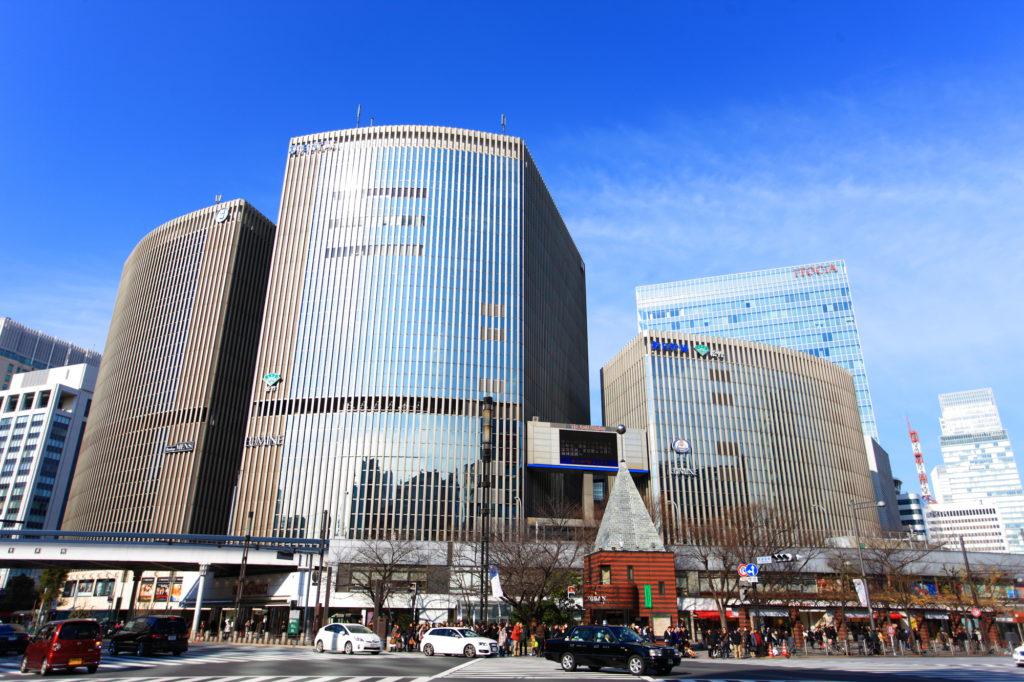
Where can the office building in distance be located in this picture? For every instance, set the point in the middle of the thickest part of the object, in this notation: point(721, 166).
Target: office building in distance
point(808, 308)
point(23, 349)
point(42, 417)
point(417, 270)
point(162, 449)
point(734, 424)
point(979, 470)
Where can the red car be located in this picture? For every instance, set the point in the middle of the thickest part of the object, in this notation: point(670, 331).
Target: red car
point(64, 645)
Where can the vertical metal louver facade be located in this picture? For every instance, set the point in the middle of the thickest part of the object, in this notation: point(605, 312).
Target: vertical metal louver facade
point(763, 425)
point(163, 443)
point(417, 269)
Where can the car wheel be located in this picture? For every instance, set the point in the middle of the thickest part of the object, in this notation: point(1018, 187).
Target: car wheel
point(92, 668)
point(24, 664)
point(348, 648)
point(45, 669)
point(428, 649)
point(112, 649)
point(469, 651)
point(636, 665)
point(568, 663)
point(319, 646)
point(140, 650)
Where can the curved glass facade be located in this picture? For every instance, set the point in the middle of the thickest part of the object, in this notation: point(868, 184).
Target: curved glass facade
point(395, 304)
point(736, 424)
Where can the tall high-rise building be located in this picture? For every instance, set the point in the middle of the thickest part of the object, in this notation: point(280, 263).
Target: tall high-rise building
point(23, 349)
point(42, 417)
point(978, 465)
point(808, 308)
point(417, 270)
point(163, 444)
point(733, 425)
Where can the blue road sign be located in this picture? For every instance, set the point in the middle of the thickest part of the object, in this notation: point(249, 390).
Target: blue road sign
point(751, 570)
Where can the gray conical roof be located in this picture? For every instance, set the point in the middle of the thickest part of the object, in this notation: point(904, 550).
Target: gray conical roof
point(626, 526)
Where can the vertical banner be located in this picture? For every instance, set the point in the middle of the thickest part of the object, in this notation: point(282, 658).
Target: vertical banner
point(862, 591)
point(496, 591)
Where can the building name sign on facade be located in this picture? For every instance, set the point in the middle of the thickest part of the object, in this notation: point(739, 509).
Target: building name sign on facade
point(596, 598)
point(264, 441)
point(184, 446)
point(702, 350)
point(271, 380)
point(815, 270)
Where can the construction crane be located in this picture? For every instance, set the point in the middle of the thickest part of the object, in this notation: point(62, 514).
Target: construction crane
point(922, 475)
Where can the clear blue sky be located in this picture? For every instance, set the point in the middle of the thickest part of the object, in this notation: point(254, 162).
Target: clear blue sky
point(680, 140)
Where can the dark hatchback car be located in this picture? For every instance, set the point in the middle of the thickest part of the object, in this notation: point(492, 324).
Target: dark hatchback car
point(151, 635)
point(610, 646)
point(64, 645)
point(12, 638)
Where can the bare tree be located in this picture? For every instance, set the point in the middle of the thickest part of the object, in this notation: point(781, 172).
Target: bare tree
point(379, 569)
point(536, 571)
point(738, 536)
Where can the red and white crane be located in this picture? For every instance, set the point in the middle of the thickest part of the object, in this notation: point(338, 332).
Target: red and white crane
point(922, 475)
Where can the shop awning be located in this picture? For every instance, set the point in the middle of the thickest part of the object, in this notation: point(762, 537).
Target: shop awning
point(729, 613)
point(936, 615)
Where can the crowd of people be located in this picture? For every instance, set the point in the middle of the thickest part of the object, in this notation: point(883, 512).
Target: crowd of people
point(739, 642)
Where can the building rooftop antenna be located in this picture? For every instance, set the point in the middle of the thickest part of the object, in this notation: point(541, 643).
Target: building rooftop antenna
point(217, 198)
point(504, 123)
point(359, 113)
point(922, 475)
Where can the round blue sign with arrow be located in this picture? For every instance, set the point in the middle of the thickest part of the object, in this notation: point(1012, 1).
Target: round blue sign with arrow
point(751, 570)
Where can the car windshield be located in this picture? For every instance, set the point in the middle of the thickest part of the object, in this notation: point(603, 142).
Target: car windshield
point(466, 632)
point(359, 629)
point(80, 630)
point(627, 635)
point(171, 626)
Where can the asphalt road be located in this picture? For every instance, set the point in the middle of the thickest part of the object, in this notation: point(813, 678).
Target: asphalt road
point(226, 663)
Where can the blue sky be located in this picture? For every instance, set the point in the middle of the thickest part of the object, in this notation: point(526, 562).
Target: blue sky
point(679, 140)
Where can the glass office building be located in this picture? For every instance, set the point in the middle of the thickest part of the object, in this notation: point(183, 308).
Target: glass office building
point(978, 464)
point(417, 269)
point(806, 308)
point(733, 425)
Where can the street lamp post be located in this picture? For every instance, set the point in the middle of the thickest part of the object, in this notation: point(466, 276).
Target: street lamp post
point(487, 424)
point(854, 508)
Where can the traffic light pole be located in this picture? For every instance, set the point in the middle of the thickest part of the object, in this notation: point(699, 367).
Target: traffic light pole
point(318, 612)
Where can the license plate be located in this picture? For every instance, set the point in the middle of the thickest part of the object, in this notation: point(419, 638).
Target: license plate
point(75, 661)
point(171, 638)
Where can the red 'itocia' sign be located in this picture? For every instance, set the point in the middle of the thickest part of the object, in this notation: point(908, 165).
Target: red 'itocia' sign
point(812, 270)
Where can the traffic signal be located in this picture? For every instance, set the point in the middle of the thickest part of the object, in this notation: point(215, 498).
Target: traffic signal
point(784, 557)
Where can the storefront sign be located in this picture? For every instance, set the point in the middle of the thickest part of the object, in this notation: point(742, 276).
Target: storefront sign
point(702, 350)
point(596, 598)
point(815, 270)
point(263, 441)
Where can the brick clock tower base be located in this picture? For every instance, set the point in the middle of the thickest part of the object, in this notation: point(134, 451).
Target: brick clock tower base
point(620, 601)
point(629, 562)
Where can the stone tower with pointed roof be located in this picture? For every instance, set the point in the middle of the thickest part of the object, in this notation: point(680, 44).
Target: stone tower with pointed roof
point(629, 577)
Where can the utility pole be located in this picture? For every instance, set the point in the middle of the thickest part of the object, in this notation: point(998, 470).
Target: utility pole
point(974, 589)
point(318, 614)
point(487, 423)
point(241, 570)
point(854, 508)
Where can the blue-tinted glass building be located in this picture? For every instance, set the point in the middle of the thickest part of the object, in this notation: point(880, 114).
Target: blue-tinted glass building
point(416, 270)
point(806, 308)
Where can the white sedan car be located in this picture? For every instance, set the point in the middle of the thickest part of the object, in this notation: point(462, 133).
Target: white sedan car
point(351, 638)
point(457, 642)
point(1018, 655)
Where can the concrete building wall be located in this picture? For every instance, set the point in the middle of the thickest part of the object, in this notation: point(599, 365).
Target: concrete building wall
point(163, 446)
point(762, 425)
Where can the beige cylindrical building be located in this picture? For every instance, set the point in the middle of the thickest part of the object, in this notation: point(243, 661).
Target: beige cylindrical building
point(163, 443)
point(734, 424)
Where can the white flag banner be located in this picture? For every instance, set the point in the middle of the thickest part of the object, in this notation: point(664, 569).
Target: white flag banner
point(862, 591)
point(496, 592)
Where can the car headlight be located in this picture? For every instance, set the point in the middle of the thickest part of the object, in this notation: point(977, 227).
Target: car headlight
point(654, 652)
